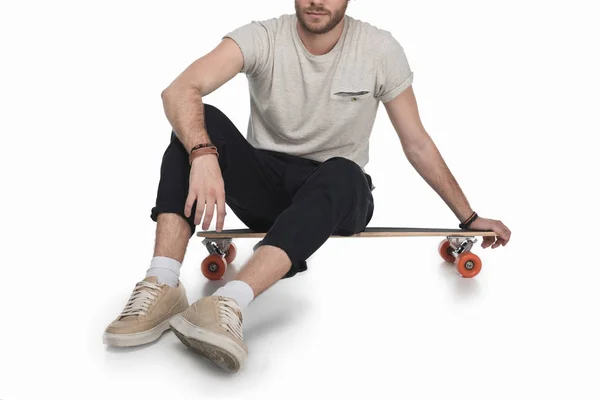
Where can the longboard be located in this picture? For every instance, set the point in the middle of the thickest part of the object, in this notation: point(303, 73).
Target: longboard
point(455, 248)
point(369, 232)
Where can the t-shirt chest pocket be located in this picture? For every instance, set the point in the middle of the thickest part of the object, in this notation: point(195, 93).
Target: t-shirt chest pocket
point(353, 85)
point(351, 94)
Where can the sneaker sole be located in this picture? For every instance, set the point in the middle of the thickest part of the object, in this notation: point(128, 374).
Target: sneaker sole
point(135, 339)
point(221, 350)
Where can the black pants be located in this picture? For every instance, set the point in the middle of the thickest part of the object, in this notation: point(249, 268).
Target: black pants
point(297, 201)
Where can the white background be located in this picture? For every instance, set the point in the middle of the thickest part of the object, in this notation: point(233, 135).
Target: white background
point(509, 93)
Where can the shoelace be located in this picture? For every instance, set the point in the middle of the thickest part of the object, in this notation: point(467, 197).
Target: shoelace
point(143, 295)
point(229, 316)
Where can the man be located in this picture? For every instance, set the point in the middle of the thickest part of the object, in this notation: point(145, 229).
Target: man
point(316, 79)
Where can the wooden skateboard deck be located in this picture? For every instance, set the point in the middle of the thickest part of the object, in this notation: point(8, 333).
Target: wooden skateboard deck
point(454, 249)
point(369, 232)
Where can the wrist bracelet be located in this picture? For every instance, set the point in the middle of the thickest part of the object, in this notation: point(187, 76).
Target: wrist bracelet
point(200, 146)
point(202, 152)
point(469, 221)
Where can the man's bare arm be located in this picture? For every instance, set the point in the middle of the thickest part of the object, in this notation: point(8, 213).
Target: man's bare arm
point(423, 154)
point(182, 99)
point(184, 108)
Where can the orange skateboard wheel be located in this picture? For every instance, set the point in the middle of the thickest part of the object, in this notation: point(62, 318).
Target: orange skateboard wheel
point(231, 253)
point(446, 251)
point(468, 264)
point(214, 267)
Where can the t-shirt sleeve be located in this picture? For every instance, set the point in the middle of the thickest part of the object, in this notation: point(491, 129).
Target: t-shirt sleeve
point(253, 41)
point(394, 74)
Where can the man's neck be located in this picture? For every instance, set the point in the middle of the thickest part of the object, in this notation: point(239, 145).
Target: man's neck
point(319, 44)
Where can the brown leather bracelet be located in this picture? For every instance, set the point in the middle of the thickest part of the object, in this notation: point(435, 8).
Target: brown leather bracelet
point(200, 146)
point(202, 152)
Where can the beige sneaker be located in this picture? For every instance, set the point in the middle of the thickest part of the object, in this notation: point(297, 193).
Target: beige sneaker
point(212, 326)
point(147, 313)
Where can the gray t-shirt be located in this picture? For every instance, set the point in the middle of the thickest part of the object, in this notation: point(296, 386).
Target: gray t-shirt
point(318, 107)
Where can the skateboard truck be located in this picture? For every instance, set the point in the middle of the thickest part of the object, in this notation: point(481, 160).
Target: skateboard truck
point(221, 251)
point(217, 246)
point(221, 246)
point(459, 245)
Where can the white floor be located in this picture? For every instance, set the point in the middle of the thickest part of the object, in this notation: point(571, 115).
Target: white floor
point(371, 318)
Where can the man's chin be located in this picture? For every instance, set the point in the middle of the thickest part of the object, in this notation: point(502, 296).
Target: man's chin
point(316, 29)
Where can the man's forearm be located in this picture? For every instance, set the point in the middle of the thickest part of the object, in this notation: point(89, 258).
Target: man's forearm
point(429, 163)
point(185, 111)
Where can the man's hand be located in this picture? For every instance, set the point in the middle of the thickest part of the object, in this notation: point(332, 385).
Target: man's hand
point(208, 189)
point(483, 224)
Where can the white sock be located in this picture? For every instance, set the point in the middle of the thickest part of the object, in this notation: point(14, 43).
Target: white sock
point(240, 291)
point(165, 269)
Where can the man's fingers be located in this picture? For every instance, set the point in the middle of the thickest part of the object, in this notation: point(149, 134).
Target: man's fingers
point(220, 213)
point(210, 210)
point(503, 235)
point(189, 203)
point(500, 239)
point(506, 232)
point(487, 241)
point(503, 232)
point(200, 204)
point(499, 242)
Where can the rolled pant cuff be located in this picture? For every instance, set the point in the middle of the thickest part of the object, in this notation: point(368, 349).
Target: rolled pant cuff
point(174, 210)
point(298, 264)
